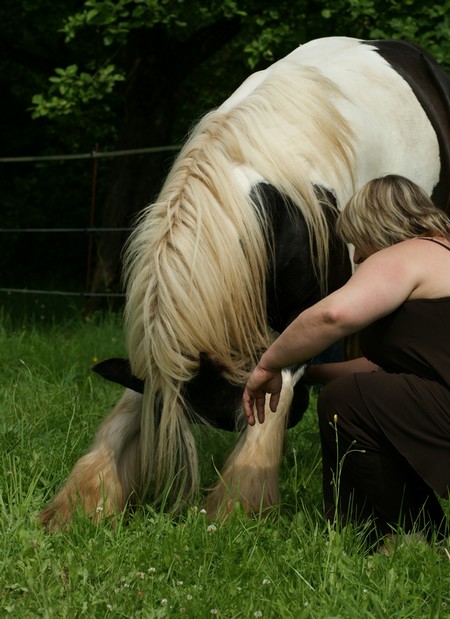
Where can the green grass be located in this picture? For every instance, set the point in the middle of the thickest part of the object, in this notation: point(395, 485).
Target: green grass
point(289, 564)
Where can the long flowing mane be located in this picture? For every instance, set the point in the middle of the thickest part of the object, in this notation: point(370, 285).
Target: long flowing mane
point(196, 264)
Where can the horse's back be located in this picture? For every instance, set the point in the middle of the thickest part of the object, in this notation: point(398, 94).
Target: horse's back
point(394, 97)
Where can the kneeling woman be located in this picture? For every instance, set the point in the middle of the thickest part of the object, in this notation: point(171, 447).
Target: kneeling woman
point(391, 409)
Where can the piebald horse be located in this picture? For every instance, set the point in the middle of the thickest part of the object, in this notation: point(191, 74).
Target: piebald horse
point(240, 240)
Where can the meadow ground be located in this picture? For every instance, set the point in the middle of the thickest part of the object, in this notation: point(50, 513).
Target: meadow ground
point(288, 565)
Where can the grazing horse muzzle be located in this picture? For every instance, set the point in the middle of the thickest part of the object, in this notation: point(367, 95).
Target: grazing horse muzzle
point(210, 397)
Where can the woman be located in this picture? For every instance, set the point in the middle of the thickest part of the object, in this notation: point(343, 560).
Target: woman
point(384, 419)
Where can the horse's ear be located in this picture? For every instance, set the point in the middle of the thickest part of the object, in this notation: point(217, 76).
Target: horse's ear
point(119, 371)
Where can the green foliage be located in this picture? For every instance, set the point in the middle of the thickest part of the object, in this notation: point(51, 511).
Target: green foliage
point(116, 19)
point(426, 24)
point(268, 30)
point(111, 23)
point(70, 87)
point(272, 31)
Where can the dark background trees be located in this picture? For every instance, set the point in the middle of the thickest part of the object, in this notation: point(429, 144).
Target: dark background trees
point(129, 74)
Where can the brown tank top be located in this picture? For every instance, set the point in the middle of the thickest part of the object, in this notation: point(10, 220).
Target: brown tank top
point(414, 339)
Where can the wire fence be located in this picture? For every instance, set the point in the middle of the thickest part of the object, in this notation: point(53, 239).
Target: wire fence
point(90, 230)
point(63, 293)
point(94, 154)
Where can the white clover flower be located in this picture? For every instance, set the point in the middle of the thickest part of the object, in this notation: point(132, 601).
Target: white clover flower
point(140, 575)
point(99, 509)
point(214, 611)
point(257, 613)
point(180, 583)
point(164, 601)
point(151, 570)
point(189, 596)
point(212, 528)
point(202, 512)
point(266, 581)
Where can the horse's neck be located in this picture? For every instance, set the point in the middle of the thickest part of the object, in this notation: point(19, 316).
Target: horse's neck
point(292, 279)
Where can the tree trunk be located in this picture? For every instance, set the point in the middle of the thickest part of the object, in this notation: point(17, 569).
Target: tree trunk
point(149, 103)
point(157, 66)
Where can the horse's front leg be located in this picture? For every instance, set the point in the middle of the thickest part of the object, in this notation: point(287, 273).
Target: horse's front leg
point(103, 480)
point(251, 473)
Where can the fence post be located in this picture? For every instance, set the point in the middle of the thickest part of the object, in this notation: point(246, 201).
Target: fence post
point(91, 219)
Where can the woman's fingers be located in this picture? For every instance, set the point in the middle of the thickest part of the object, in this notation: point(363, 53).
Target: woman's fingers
point(254, 405)
point(260, 406)
point(260, 383)
point(249, 402)
point(274, 401)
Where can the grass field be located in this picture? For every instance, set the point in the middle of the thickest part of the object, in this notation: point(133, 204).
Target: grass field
point(289, 564)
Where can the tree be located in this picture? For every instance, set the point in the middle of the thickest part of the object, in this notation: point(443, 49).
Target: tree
point(36, 194)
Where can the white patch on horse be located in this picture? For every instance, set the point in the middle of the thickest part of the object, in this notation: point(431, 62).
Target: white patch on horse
point(246, 88)
point(375, 113)
point(247, 177)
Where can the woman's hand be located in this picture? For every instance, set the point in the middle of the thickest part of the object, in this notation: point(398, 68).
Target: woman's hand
point(260, 383)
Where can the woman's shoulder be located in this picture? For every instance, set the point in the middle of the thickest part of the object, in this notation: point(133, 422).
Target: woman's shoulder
point(404, 251)
point(410, 269)
point(432, 246)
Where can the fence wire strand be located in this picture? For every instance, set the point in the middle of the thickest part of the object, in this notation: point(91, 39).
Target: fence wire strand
point(62, 293)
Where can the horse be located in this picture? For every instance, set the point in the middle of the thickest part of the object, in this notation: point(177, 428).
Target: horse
point(239, 241)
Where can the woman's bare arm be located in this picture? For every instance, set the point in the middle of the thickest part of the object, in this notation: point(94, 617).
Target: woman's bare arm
point(379, 285)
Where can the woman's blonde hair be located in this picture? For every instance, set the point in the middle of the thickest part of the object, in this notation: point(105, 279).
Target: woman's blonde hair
point(388, 210)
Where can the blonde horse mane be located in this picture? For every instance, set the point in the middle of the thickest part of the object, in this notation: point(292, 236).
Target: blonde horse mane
point(196, 264)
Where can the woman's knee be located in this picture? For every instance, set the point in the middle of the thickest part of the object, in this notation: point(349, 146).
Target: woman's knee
point(333, 398)
point(340, 406)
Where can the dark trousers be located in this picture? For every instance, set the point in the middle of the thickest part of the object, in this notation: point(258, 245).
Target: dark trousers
point(364, 476)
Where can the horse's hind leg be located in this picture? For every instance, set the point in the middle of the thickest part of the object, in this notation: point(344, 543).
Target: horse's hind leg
point(251, 473)
point(103, 480)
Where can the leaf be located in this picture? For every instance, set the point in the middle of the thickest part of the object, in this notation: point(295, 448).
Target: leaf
point(91, 15)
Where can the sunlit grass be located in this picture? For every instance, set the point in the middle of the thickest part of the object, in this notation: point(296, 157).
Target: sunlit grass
point(289, 564)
